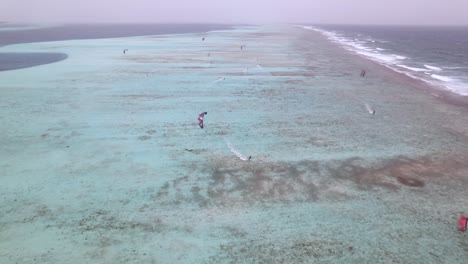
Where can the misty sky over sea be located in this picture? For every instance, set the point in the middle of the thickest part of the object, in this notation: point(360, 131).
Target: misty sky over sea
point(425, 12)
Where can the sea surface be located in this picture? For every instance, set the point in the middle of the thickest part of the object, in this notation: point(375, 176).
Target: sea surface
point(103, 159)
point(23, 33)
point(437, 55)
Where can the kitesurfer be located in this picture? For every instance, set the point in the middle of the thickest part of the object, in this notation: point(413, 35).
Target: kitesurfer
point(363, 73)
point(462, 222)
point(125, 50)
point(200, 119)
point(369, 109)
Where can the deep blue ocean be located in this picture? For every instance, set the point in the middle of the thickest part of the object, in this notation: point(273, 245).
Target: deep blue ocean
point(20, 33)
point(437, 55)
point(95, 31)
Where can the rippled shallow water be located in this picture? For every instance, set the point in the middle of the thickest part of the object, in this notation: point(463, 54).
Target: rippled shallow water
point(103, 160)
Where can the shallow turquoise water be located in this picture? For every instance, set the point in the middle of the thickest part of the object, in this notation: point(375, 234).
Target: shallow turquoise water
point(94, 166)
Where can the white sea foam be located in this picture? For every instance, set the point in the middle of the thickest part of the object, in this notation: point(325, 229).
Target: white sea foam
point(454, 86)
point(461, 89)
point(434, 68)
point(234, 150)
point(442, 78)
point(217, 80)
point(382, 58)
point(13, 27)
point(360, 47)
point(394, 62)
point(450, 83)
point(369, 108)
point(306, 27)
point(456, 68)
point(411, 68)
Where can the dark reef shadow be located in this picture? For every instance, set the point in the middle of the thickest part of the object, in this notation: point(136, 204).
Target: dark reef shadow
point(14, 61)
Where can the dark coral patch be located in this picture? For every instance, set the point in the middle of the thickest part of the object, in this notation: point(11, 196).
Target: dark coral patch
point(410, 182)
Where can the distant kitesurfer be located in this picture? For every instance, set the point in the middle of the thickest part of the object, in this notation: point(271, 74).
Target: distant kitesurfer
point(200, 119)
point(235, 151)
point(125, 50)
point(369, 109)
point(203, 39)
point(462, 222)
point(218, 80)
point(363, 73)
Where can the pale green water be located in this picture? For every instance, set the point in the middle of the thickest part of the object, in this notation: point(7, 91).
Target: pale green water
point(94, 167)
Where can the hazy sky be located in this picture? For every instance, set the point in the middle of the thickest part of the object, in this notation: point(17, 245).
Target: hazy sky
point(434, 12)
